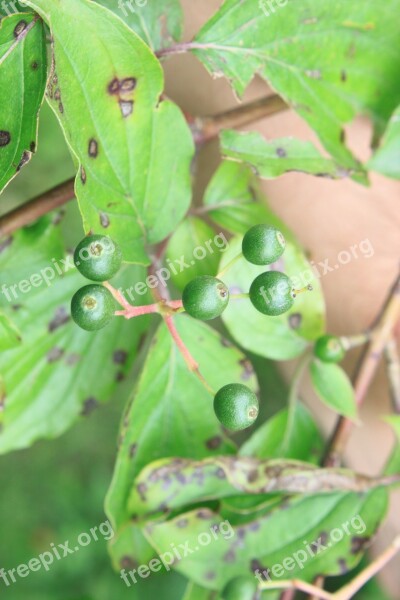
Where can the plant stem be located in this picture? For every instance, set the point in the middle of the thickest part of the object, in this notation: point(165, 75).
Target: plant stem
point(205, 129)
point(346, 592)
point(229, 265)
point(392, 359)
point(293, 397)
point(354, 341)
point(380, 335)
point(37, 207)
point(190, 361)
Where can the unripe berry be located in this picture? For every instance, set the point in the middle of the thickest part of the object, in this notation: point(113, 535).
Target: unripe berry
point(263, 245)
point(98, 258)
point(236, 406)
point(205, 298)
point(241, 588)
point(92, 307)
point(272, 293)
point(329, 348)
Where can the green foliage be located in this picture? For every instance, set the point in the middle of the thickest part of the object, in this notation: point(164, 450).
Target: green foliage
point(333, 387)
point(386, 159)
point(321, 58)
point(159, 24)
point(22, 81)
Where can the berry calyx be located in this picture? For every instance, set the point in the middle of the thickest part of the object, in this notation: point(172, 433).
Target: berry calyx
point(263, 245)
point(98, 258)
point(236, 406)
point(241, 588)
point(329, 348)
point(92, 307)
point(272, 293)
point(205, 298)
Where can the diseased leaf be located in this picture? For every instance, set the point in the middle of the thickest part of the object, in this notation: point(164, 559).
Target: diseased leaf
point(22, 84)
point(193, 250)
point(321, 58)
point(333, 387)
point(172, 483)
point(305, 443)
point(159, 24)
point(272, 158)
point(59, 371)
point(279, 338)
point(131, 167)
point(336, 526)
point(171, 413)
point(195, 592)
point(386, 159)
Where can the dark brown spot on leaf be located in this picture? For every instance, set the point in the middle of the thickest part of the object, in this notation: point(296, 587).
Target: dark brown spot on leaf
point(89, 405)
point(343, 76)
point(127, 562)
point(35, 66)
point(25, 158)
point(229, 557)
point(19, 28)
point(83, 175)
point(128, 84)
point(104, 220)
point(252, 476)
point(93, 148)
point(248, 370)
point(119, 377)
point(61, 108)
point(5, 138)
point(359, 544)
point(54, 354)
point(126, 108)
point(61, 317)
point(120, 357)
point(113, 87)
point(132, 450)
point(204, 514)
point(57, 94)
point(209, 575)
point(72, 359)
point(182, 523)
point(281, 152)
point(32, 147)
point(220, 473)
point(295, 320)
point(214, 442)
point(142, 489)
point(343, 566)
point(226, 343)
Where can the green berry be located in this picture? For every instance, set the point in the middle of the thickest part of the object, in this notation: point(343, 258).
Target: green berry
point(205, 297)
point(263, 245)
point(329, 348)
point(92, 307)
point(272, 293)
point(98, 258)
point(241, 588)
point(236, 406)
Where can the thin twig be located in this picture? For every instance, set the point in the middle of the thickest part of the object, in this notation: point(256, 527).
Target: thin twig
point(392, 359)
point(380, 336)
point(37, 207)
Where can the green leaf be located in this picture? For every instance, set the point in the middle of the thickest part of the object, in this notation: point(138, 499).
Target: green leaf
point(9, 334)
point(172, 413)
point(232, 198)
point(194, 249)
point(195, 592)
point(105, 90)
point(306, 442)
point(393, 465)
point(22, 83)
point(273, 158)
point(333, 387)
point(59, 371)
point(188, 481)
point(159, 24)
point(322, 59)
point(386, 160)
point(279, 338)
point(269, 540)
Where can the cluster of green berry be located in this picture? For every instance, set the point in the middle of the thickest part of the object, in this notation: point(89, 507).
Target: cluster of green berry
point(97, 258)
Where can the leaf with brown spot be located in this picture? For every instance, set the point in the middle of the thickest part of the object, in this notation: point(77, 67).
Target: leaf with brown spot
point(22, 44)
point(123, 138)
